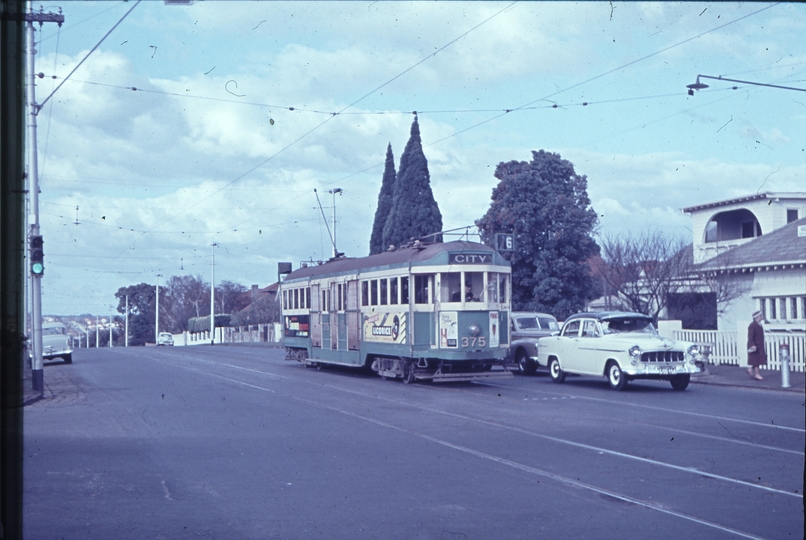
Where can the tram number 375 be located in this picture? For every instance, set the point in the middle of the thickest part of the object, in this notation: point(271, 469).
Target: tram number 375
point(480, 341)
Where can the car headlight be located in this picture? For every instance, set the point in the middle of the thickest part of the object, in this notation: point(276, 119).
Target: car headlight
point(635, 351)
point(693, 351)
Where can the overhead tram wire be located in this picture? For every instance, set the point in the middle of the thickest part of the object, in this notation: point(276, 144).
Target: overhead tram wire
point(604, 74)
point(333, 115)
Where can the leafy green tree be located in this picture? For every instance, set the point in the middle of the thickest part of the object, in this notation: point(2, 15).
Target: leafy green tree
point(142, 314)
point(544, 202)
point(414, 211)
point(384, 204)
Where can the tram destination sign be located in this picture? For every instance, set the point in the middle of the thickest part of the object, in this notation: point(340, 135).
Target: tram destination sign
point(470, 258)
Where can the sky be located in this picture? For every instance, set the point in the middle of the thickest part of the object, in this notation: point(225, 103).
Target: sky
point(215, 122)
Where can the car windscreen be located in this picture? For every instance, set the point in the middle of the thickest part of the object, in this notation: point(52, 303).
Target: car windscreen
point(527, 323)
point(53, 331)
point(628, 324)
point(547, 323)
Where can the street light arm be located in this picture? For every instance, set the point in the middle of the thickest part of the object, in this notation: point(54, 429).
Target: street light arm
point(698, 85)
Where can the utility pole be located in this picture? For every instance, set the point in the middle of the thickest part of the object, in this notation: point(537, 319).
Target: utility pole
point(157, 323)
point(111, 326)
point(37, 371)
point(127, 321)
point(97, 333)
point(212, 299)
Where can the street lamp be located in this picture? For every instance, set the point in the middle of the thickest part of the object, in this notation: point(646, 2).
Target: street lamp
point(701, 86)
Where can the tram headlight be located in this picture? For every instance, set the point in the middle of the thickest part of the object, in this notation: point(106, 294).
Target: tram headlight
point(474, 330)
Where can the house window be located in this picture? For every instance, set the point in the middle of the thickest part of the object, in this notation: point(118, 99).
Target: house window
point(794, 304)
point(791, 215)
point(783, 308)
point(773, 311)
point(748, 229)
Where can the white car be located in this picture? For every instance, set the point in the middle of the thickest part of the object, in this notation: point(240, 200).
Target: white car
point(56, 342)
point(621, 346)
point(165, 338)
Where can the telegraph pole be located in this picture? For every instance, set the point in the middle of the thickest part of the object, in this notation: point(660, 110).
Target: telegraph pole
point(212, 299)
point(37, 372)
point(157, 323)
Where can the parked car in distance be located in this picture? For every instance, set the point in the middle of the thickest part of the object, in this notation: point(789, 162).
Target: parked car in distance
point(56, 343)
point(526, 328)
point(619, 345)
point(165, 338)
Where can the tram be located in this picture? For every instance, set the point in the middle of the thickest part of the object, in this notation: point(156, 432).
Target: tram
point(435, 312)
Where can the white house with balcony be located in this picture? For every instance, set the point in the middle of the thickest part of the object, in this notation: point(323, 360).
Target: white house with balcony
point(758, 243)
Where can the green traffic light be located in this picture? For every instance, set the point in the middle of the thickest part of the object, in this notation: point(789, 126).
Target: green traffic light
point(37, 268)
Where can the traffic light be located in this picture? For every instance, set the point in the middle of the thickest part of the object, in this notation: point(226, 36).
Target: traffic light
point(37, 256)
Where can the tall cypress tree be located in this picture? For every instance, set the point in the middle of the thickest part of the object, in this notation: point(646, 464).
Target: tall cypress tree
point(414, 211)
point(376, 244)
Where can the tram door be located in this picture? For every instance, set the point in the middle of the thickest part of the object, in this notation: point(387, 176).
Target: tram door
point(353, 315)
point(316, 318)
point(334, 316)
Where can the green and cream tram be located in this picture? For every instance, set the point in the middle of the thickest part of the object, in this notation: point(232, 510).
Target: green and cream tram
point(436, 312)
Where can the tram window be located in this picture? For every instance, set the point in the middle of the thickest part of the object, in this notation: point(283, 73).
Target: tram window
point(344, 296)
point(393, 290)
point(307, 298)
point(450, 287)
point(285, 299)
point(296, 298)
point(325, 294)
point(384, 292)
point(340, 296)
point(474, 287)
point(373, 292)
point(492, 286)
point(421, 286)
point(404, 290)
point(364, 293)
point(503, 280)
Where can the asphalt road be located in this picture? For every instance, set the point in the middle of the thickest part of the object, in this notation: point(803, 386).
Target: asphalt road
point(232, 442)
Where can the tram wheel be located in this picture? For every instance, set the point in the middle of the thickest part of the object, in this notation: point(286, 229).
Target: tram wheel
point(408, 373)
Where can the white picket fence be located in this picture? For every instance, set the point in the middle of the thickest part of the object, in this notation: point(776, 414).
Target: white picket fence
point(256, 333)
point(727, 348)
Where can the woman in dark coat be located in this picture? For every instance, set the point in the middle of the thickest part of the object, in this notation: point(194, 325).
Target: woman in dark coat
point(756, 354)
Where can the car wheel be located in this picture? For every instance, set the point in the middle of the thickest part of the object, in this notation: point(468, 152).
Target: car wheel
point(557, 374)
point(526, 365)
point(680, 382)
point(68, 358)
point(616, 377)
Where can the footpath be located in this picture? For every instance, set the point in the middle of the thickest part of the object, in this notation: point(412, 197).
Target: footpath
point(719, 375)
point(726, 375)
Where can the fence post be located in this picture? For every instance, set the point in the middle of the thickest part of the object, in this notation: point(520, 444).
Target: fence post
point(783, 354)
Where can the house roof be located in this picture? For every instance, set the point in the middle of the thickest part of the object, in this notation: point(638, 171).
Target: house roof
point(756, 197)
point(783, 247)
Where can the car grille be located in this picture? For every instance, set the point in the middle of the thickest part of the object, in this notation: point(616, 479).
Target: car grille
point(663, 356)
